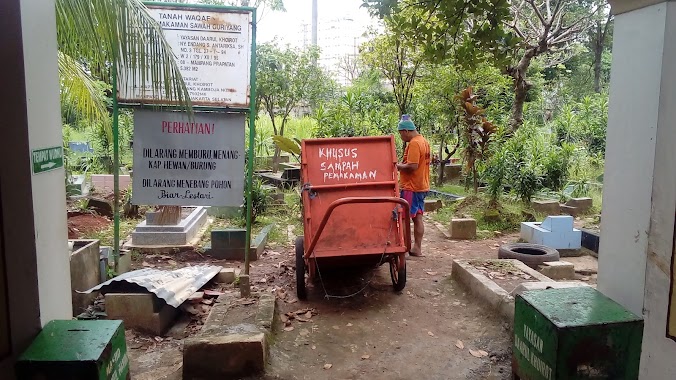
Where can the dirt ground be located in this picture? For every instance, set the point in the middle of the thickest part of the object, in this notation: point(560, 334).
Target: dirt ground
point(378, 334)
point(82, 224)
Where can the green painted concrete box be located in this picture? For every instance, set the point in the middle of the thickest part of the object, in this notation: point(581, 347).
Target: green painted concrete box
point(574, 333)
point(76, 350)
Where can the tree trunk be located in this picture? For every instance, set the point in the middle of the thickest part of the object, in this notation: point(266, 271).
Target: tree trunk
point(521, 87)
point(169, 215)
point(442, 164)
point(599, 41)
point(475, 179)
point(520, 92)
point(598, 56)
point(275, 159)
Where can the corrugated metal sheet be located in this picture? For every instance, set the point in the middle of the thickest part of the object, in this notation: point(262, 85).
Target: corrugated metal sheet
point(172, 286)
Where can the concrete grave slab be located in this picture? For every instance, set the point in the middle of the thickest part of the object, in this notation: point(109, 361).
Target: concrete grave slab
point(555, 231)
point(546, 207)
point(558, 270)
point(225, 276)
point(226, 348)
point(78, 186)
point(432, 205)
point(85, 272)
point(487, 290)
point(180, 234)
point(463, 229)
point(570, 210)
point(224, 356)
point(229, 243)
point(105, 181)
point(583, 205)
point(142, 311)
point(452, 171)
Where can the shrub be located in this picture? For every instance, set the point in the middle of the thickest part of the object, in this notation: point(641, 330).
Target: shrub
point(528, 163)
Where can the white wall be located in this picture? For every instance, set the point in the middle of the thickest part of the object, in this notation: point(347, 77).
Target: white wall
point(632, 130)
point(639, 203)
point(657, 361)
point(44, 120)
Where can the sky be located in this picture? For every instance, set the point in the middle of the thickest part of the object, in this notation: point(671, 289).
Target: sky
point(287, 26)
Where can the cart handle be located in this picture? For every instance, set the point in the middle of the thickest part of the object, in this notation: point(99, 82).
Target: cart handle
point(355, 200)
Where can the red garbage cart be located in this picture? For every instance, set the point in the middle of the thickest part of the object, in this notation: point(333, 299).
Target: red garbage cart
point(352, 212)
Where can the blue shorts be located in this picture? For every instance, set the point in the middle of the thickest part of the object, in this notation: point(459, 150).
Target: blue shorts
point(416, 200)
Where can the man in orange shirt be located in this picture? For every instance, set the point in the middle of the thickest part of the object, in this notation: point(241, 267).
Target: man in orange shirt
point(414, 177)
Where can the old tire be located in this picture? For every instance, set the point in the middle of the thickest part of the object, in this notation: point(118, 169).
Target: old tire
point(301, 292)
point(398, 275)
point(529, 254)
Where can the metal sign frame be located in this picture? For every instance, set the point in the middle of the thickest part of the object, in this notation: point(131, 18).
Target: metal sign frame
point(251, 110)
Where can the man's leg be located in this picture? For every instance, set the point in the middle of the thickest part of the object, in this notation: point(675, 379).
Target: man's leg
point(418, 231)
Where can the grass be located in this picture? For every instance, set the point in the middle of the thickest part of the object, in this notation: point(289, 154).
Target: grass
point(452, 189)
point(280, 217)
point(495, 265)
point(106, 236)
point(503, 217)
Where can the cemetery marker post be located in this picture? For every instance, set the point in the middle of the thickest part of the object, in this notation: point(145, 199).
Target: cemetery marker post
point(209, 60)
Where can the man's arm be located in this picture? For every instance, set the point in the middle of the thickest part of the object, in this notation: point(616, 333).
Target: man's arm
point(407, 167)
point(412, 159)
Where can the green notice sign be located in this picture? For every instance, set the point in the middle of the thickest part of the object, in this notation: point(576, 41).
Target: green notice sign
point(47, 159)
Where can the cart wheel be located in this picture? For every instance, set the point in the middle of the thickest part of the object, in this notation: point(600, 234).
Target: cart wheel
point(397, 274)
point(300, 269)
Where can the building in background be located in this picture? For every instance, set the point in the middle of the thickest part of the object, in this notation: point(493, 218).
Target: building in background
point(338, 39)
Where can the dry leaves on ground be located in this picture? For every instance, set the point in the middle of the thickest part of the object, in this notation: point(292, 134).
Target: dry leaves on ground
point(365, 357)
point(478, 353)
point(459, 344)
point(328, 366)
point(301, 315)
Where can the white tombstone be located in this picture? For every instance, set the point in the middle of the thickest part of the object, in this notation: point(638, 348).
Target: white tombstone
point(555, 231)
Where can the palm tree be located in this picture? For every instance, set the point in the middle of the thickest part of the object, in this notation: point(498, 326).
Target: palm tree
point(96, 37)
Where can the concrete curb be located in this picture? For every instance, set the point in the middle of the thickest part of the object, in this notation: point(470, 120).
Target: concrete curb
point(160, 249)
point(483, 287)
point(233, 350)
point(487, 290)
point(265, 315)
point(442, 229)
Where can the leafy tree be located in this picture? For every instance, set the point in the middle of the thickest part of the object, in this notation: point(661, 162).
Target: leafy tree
point(397, 60)
point(435, 92)
point(468, 31)
point(599, 39)
point(547, 29)
point(476, 132)
point(285, 79)
point(94, 36)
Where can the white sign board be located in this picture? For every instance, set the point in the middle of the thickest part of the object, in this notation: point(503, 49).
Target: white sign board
point(213, 51)
point(180, 161)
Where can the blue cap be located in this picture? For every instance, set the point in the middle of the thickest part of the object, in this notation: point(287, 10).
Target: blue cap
point(405, 124)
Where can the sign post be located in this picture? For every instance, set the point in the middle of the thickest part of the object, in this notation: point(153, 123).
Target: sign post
point(195, 159)
point(47, 159)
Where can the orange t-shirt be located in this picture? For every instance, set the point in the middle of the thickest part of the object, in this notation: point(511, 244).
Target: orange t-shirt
point(417, 152)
